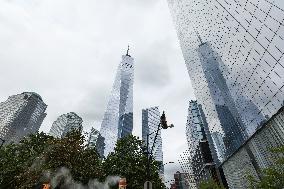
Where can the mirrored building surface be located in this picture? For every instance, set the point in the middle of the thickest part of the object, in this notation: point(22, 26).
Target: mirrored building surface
point(65, 123)
point(118, 118)
point(202, 153)
point(234, 54)
point(21, 115)
point(184, 162)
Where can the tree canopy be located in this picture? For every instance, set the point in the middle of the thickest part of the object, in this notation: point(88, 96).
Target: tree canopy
point(210, 184)
point(128, 160)
point(68, 163)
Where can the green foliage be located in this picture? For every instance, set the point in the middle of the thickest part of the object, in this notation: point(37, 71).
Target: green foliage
point(211, 184)
point(128, 161)
point(18, 159)
point(38, 158)
point(271, 177)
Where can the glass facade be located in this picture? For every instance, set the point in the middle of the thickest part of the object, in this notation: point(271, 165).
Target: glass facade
point(256, 155)
point(21, 115)
point(184, 162)
point(186, 167)
point(96, 141)
point(194, 127)
point(118, 118)
point(200, 144)
point(197, 129)
point(150, 124)
point(234, 54)
point(64, 124)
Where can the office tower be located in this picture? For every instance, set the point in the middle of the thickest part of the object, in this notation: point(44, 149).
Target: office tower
point(96, 141)
point(150, 124)
point(64, 124)
point(21, 115)
point(234, 54)
point(118, 118)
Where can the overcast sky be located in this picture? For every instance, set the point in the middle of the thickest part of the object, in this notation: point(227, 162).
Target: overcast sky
point(68, 51)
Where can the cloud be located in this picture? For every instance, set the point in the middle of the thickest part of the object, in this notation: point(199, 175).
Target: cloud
point(153, 70)
point(92, 106)
point(68, 52)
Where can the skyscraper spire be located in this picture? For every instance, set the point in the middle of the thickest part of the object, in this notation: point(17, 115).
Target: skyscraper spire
point(127, 53)
point(118, 118)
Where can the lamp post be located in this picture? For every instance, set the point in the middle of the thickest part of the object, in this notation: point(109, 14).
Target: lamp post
point(170, 162)
point(2, 142)
point(162, 125)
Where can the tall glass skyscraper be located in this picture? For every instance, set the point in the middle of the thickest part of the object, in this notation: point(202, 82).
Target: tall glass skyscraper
point(234, 54)
point(118, 118)
point(150, 124)
point(65, 123)
point(21, 115)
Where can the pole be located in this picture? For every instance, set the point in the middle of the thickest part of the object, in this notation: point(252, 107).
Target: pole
point(157, 132)
point(151, 152)
point(2, 143)
point(148, 162)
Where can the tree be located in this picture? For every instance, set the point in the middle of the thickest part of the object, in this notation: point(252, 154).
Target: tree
point(37, 159)
point(128, 160)
point(67, 163)
point(15, 159)
point(273, 176)
point(211, 184)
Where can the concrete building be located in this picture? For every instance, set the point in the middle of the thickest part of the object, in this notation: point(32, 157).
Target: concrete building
point(21, 115)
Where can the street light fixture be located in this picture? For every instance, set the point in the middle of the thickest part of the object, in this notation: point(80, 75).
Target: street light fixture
point(162, 165)
point(170, 162)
